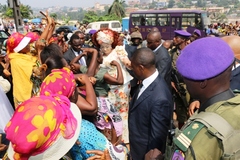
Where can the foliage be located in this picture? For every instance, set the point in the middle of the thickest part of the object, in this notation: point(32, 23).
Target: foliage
point(171, 3)
point(66, 19)
point(136, 6)
point(180, 5)
point(25, 11)
point(117, 9)
point(53, 15)
point(153, 5)
point(8, 13)
point(91, 16)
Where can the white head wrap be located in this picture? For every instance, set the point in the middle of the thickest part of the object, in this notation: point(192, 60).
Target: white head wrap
point(105, 37)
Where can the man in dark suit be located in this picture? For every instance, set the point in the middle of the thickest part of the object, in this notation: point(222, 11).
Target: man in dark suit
point(233, 42)
point(76, 44)
point(163, 59)
point(150, 109)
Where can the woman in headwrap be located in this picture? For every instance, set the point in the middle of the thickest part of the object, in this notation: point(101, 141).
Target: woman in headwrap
point(61, 82)
point(43, 128)
point(106, 40)
point(108, 119)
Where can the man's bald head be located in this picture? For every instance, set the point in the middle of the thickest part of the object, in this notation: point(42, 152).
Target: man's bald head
point(153, 40)
point(234, 43)
point(143, 63)
point(154, 29)
point(154, 35)
point(145, 57)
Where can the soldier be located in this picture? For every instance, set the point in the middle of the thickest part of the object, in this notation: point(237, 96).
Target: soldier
point(181, 97)
point(136, 43)
point(233, 42)
point(206, 66)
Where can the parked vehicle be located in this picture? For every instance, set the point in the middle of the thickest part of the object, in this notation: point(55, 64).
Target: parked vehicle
point(125, 24)
point(113, 25)
point(66, 29)
point(167, 21)
point(3, 36)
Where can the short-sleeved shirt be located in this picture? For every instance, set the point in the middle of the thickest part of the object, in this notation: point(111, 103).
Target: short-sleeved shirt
point(101, 88)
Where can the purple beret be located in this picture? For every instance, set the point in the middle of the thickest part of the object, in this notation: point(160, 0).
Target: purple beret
point(182, 33)
point(92, 31)
point(205, 58)
point(198, 32)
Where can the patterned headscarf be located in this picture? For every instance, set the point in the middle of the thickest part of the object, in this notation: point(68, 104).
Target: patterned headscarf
point(38, 123)
point(105, 36)
point(59, 81)
point(33, 35)
point(16, 42)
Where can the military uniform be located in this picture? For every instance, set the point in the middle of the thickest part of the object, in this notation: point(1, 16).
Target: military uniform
point(180, 108)
point(214, 131)
point(204, 144)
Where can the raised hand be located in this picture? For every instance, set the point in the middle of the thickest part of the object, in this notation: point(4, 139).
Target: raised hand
point(99, 155)
point(114, 63)
point(83, 79)
point(75, 67)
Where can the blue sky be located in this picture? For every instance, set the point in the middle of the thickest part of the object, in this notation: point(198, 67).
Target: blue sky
point(71, 3)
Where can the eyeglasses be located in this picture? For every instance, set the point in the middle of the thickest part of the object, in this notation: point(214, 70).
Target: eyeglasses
point(106, 47)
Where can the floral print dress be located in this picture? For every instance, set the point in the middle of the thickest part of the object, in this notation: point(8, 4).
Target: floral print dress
point(119, 94)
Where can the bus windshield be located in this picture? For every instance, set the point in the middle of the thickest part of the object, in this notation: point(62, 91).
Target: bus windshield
point(167, 21)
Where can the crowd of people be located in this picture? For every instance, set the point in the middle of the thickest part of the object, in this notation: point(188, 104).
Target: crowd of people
point(222, 29)
point(117, 96)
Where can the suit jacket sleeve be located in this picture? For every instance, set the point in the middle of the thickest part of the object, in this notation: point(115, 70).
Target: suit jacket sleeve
point(160, 122)
point(164, 62)
point(68, 56)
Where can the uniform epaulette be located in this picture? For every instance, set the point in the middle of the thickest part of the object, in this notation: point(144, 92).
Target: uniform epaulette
point(184, 139)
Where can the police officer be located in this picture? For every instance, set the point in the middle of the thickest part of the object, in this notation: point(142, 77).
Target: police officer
point(181, 97)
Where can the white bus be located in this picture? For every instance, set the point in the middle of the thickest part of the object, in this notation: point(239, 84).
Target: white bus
point(113, 25)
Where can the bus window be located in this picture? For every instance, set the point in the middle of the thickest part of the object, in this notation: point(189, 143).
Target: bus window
point(173, 22)
point(151, 19)
point(138, 19)
point(142, 20)
point(188, 19)
point(205, 19)
point(163, 20)
point(198, 21)
point(104, 25)
point(115, 25)
point(176, 23)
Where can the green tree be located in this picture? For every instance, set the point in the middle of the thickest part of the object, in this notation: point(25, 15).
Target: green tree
point(153, 5)
point(136, 6)
point(66, 19)
point(89, 17)
point(171, 3)
point(201, 3)
point(53, 15)
point(180, 5)
point(25, 11)
point(117, 9)
point(8, 13)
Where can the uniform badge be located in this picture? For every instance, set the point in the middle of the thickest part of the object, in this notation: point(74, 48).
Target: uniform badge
point(178, 155)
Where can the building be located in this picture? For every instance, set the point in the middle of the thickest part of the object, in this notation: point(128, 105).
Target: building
point(146, 1)
point(133, 2)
